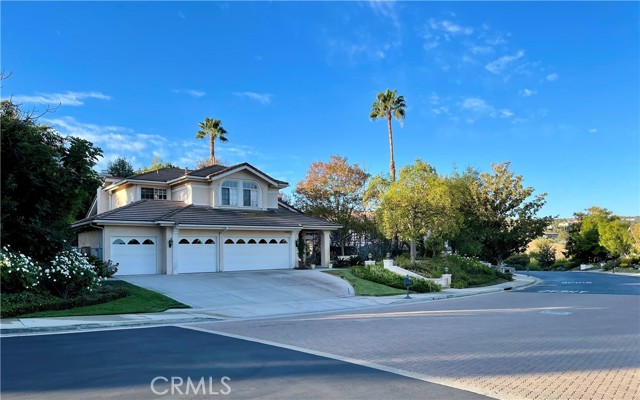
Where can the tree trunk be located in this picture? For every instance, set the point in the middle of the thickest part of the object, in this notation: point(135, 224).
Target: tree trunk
point(413, 250)
point(392, 164)
point(212, 156)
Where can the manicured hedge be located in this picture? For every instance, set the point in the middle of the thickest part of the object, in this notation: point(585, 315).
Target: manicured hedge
point(379, 274)
point(14, 304)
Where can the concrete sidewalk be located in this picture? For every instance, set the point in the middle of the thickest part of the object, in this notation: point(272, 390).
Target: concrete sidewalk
point(19, 326)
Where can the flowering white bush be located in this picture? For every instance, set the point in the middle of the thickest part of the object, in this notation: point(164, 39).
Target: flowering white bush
point(18, 271)
point(69, 274)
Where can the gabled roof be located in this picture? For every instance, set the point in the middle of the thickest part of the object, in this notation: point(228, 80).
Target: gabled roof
point(167, 175)
point(177, 212)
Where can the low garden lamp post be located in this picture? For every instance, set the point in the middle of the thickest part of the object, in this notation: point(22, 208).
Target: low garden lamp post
point(407, 282)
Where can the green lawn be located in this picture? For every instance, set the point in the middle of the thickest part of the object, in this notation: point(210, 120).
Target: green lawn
point(139, 301)
point(364, 287)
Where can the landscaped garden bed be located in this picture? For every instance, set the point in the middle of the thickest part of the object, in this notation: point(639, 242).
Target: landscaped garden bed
point(69, 285)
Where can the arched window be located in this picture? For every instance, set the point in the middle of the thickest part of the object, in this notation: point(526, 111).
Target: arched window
point(262, 241)
point(209, 241)
point(118, 241)
point(133, 241)
point(273, 241)
point(183, 241)
point(240, 241)
point(196, 241)
point(283, 241)
point(228, 241)
point(251, 241)
point(148, 241)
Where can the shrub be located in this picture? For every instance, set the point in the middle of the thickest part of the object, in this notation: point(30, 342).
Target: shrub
point(464, 271)
point(379, 274)
point(341, 263)
point(14, 304)
point(356, 261)
point(18, 271)
point(104, 269)
point(609, 265)
point(520, 260)
point(69, 274)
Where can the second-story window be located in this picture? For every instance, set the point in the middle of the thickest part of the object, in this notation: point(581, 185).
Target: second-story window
point(249, 194)
point(154, 194)
point(230, 193)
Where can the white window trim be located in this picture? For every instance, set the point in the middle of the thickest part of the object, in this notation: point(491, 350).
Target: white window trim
point(240, 194)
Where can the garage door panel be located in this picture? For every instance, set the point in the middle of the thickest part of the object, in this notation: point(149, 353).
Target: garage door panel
point(256, 253)
point(197, 254)
point(134, 255)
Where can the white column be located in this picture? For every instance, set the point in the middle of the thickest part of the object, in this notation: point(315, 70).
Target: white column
point(325, 243)
point(174, 252)
point(293, 251)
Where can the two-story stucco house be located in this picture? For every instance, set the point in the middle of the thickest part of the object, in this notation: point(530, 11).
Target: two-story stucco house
point(214, 219)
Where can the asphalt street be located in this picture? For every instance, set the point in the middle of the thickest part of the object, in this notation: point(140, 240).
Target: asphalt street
point(585, 282)
point(160, 363)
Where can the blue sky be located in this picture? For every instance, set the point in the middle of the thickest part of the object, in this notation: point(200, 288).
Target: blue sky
point(552, 87)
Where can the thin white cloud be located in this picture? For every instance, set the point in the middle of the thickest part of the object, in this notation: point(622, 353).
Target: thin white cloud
point(499, 65)
point(552, 77)
point(505, 113)
point(190, 92)
point(527, 92)
point(386, 9)
point(65, 99)
point(481, 50)
point(437, 31)
point(478, 106)
point(593, 130)
point(263, 98)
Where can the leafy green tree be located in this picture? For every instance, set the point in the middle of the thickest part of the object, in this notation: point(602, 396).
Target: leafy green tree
point(120, 167)
point(499, 214)
point(546, 254)
point(334, 191)
point(386, 106)
point(635, 235)
point(615, 237)
point(416, 206)
point(48, 181)
point(211, 128)
point(156, 163)
point(597, 235)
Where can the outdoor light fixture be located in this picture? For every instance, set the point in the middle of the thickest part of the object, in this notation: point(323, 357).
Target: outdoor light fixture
point(370, 256)
point(170, 242)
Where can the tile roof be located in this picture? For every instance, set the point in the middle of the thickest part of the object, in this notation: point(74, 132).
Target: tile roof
point(168, 174)
point(176, 211)
point(160, 175)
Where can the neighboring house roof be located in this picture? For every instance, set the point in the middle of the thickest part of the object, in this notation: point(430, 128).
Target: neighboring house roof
point(177, 212)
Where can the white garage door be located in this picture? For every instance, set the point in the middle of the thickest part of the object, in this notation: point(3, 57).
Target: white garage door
point(196, 254)
point(135, 255)
point(256, 252)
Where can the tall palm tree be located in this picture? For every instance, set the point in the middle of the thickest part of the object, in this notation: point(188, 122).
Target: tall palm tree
point(214, 130)
point(386, 106)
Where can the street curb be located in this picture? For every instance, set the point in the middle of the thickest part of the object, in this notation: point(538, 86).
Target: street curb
point(8, 332)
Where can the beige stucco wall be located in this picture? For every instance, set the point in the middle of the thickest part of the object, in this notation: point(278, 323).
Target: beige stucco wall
point(123, 196)
point(91, 239)
point(102, 201)
point(200, 194)
point(272, 198)
point(181, 193)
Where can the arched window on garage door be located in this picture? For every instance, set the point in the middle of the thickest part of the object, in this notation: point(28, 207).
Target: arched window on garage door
point(241, 241)
point(183, 241)
point(118, 241)
point(133, 241)
point(148, 241)
point(196, 241)
point(228, 241)
point(209, 241)
point(283, 241)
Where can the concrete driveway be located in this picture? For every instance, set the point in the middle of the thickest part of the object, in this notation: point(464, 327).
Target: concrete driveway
point(247, 288)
